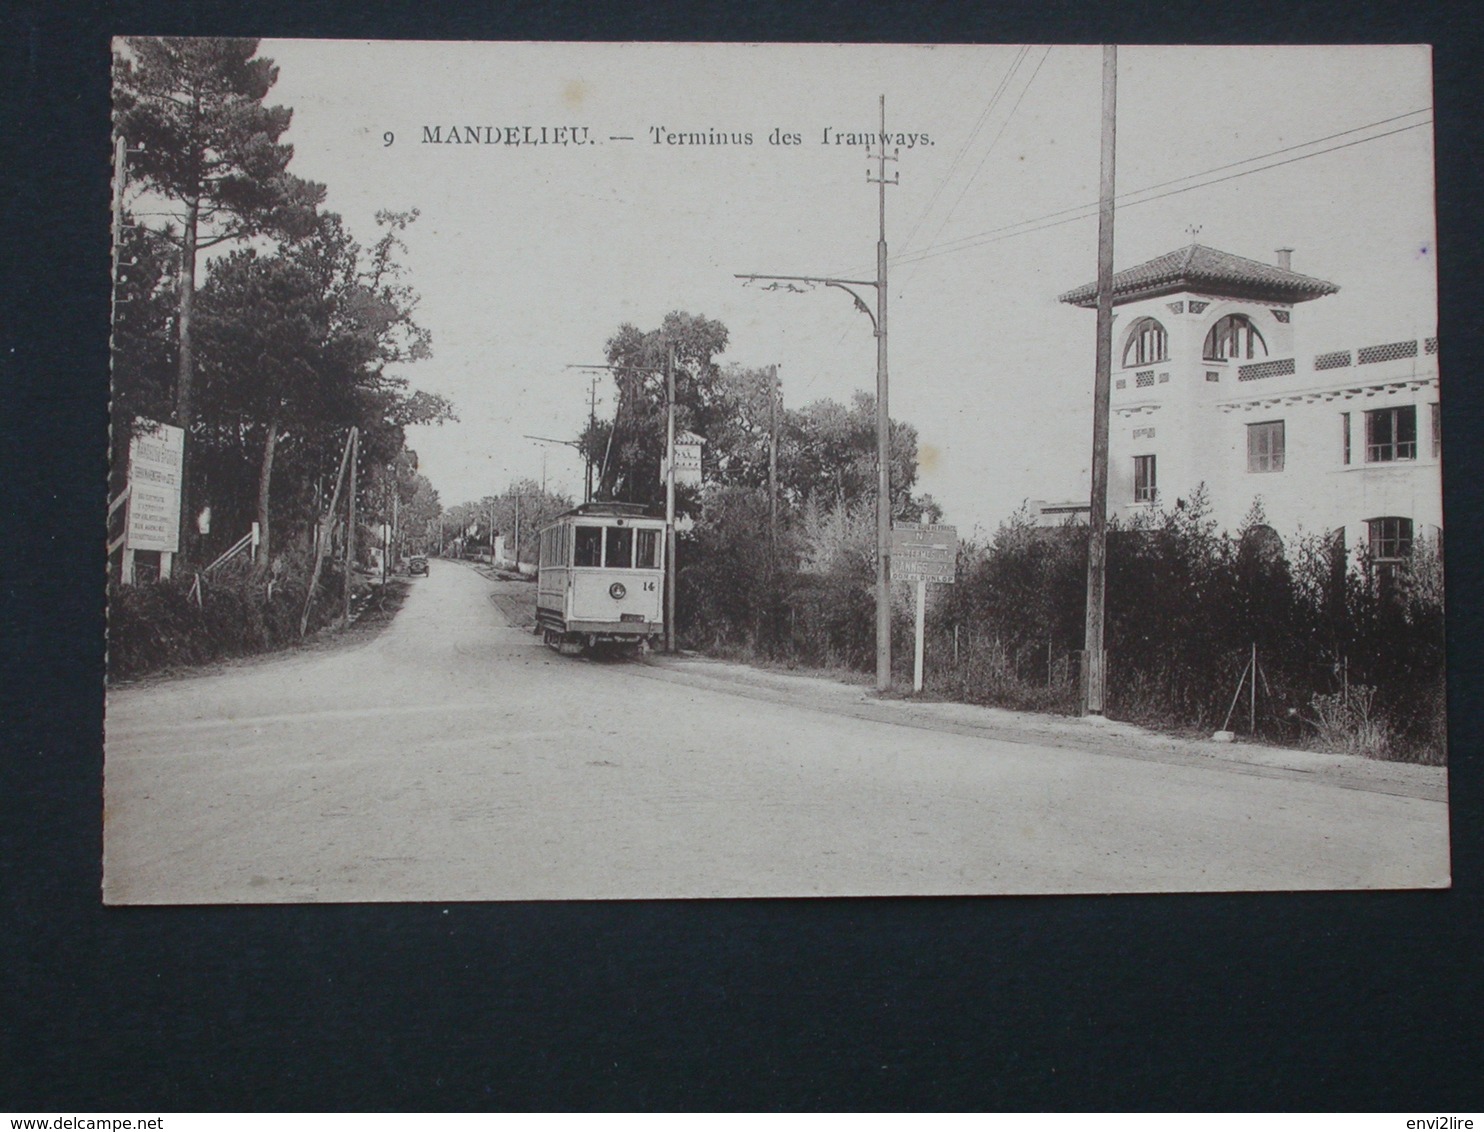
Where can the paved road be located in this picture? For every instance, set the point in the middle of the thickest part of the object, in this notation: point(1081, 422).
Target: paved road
point(452, 757)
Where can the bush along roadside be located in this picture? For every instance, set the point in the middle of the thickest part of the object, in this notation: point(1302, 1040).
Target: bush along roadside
point(1349, 655)
point(178, 623)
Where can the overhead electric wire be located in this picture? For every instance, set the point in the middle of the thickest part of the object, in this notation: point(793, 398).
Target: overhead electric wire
point(1005, 125)
point(984, 114)
point(1085, 211)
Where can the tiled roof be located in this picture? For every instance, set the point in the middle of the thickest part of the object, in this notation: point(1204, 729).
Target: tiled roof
point(1207, 271)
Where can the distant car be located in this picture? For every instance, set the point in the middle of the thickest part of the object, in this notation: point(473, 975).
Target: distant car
point(418, 565)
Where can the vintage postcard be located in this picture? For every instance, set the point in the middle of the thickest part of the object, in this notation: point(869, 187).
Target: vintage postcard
point(608, 471)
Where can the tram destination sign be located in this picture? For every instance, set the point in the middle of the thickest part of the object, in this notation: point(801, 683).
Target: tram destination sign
point(923, 552)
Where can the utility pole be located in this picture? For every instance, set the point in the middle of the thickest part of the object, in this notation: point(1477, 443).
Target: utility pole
point(120, 172)
point(120, 175)
point(517, 528)
point(386, 532)
point(883, 431)
point(350, 523)
point(592, 424)
point(323, 531)
point(1095, 682)
point(670, 497)
point(883, 417)
point(774, 394)
point(592, 416)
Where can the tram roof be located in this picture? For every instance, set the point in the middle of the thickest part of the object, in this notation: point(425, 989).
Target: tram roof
point(610, 510)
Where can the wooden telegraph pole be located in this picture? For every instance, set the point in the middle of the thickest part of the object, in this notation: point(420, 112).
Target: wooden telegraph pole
point(350, 522)
point(883, 432)
point(325, 531)
point(1095, 676)
point(670, 498)
point(883, 417)
point(774, 396)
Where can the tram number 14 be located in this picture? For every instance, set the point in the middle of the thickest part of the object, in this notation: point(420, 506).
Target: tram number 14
point(649, 587)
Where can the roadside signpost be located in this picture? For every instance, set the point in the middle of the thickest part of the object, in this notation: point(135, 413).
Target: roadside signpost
point(688, 458)
point(152, 521)
point(923, 553)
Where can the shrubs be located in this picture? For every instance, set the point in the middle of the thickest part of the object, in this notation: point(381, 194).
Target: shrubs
point(164, 625)
point(1186, 605)
point(1347, 722)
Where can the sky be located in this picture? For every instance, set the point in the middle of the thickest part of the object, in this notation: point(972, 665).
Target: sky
point(529, 257)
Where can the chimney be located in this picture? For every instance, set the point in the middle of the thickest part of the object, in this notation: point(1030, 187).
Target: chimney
point(1285, 258)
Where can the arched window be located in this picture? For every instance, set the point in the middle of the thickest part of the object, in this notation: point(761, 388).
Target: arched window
point(1234, 338)
point(1147, 344)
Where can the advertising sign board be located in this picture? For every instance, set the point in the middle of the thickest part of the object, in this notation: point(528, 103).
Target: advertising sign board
point(156, 459)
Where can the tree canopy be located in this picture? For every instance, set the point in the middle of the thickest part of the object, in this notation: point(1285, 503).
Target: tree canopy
point(295, 347)
point(629, 449)
point(297, 334)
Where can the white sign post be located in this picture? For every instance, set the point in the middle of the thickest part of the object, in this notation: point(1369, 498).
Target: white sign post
point(687, 459)
point(922, 554)
point(156, 461)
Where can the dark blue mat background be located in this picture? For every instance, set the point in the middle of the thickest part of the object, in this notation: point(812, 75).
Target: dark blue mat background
point(1319, 1001)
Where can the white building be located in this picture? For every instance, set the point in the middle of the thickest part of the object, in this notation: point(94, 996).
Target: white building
point(1211, 387)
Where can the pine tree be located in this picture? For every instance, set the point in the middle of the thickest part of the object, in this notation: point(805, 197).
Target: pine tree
point(192, 112)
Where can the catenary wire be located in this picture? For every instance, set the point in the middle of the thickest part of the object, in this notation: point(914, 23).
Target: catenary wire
point(1083, 211)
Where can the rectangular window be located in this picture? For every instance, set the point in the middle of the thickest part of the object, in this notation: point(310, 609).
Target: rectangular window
point(1437, 431)
point(589, 548)
point(1144, 482)
point(620, 548)
point(1265, 447)
point(1390, 539)
point(1391, 434)
point(1345, 438)
point(647, 549)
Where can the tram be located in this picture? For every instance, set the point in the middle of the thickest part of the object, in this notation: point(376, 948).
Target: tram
point(601, 578)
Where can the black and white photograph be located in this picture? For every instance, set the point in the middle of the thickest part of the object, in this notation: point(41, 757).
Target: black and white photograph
point(618, 471)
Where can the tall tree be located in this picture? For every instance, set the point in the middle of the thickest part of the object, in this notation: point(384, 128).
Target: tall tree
point(738, 440)
point(264, 324)
point(829, 457)
point(193, 112)
point(628, 449)
point(143, 340)
point(295, 350)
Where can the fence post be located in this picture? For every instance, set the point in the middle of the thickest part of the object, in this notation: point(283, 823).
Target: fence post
point(1252, 695)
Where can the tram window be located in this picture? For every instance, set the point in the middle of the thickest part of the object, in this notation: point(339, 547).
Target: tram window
point(648, 552)
point(620, 547)
point(589, 548)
